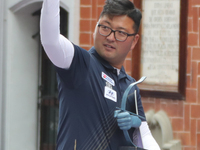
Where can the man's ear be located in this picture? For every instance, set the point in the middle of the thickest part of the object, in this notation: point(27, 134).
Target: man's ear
point(95, 30)
point(135, 40)
point(93, 34)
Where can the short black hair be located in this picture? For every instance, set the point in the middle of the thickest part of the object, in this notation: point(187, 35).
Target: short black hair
point(122, 7)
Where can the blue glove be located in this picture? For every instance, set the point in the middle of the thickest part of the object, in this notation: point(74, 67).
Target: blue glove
point(126, 121)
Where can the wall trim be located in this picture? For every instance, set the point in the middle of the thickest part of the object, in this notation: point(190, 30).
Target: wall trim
point(2, 73)
point(28, 7)
point(31, 6)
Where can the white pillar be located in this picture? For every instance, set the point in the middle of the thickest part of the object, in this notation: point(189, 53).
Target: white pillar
point(2, 73)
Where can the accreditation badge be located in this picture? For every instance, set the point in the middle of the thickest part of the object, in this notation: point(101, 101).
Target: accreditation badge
point(110, 94)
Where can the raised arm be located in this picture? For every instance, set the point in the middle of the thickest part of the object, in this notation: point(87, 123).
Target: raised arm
point(58, 48)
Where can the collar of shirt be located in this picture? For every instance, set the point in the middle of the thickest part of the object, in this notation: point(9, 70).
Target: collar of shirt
point(121, 73)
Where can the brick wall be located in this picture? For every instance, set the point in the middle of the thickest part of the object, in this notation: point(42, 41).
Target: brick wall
point(184, 115)
point(192, 103)
point(89, 13)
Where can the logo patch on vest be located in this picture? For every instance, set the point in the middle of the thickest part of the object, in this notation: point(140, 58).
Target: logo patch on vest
point(108, 79)
point(110, 94)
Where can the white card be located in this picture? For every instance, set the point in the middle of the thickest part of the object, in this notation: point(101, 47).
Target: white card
point(110, 94)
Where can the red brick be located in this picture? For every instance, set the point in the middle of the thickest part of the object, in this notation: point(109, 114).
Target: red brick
point(193, 131)
point(199, 12)
point(198, 141)
point(177, 124)
point(196, 2)
point(148, 106)
point(196, 54)
point(86, 2)
point(183, 136)
point(152, 100)
point(195, 109)
point(163, 106)
point(85, 47)
point(190, 8)
point(188, 78)
point(186, 118)
point(191, 95)
point(172, 109)
point(190, 25)
point(199, 30)
point(85, 25)
point(85, 38)
point(85, 12)
point(193, 39)
point(194, 72)
point(101, 2)
point(189, 148)
point(99, 10)
point(195, 19)
point(94, 23)
point(145, 99)
point(198, 126)
point(198, 91)
point(189, 55)
point(157, 104)
point(94, 9)
point(180, 108)
point(198, 68)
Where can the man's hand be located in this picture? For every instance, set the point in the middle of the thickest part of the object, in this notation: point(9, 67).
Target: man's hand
point(126, 121)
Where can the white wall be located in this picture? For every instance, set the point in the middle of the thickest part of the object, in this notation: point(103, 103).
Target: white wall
point(2, 73)
point(21, 83)
point(21, 71)
point(73, 7)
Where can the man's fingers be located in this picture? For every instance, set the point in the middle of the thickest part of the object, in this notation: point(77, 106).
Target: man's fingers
point(124, 126)
point(123, 115)
point(116, 113)
point(123, 119)
point(126, 119)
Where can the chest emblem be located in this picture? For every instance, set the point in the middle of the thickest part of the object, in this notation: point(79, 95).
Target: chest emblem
point(110, 94)
point(108, 79)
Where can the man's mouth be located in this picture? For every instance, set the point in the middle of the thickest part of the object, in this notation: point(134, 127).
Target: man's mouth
point(109, 46)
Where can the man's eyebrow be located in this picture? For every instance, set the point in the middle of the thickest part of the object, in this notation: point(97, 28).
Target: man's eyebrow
point(105, 21)
point(118, 28)
point(122, 28)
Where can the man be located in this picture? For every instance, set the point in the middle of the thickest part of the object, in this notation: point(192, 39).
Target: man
point(91, 83)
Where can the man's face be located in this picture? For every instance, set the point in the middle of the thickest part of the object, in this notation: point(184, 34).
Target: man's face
point(108, 47)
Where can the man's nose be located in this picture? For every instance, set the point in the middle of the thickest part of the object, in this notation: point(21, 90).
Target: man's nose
point(111, 37)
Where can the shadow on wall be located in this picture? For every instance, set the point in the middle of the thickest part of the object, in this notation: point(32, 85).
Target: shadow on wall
point(161, 130)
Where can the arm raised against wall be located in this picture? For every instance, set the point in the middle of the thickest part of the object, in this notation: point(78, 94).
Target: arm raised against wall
point(58, 48)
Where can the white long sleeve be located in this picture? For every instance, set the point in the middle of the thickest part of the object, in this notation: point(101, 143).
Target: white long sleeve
point(147, 138)
point(58, 48)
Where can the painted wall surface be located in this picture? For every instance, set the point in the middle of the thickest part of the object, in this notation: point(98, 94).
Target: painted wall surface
point(20, 70)
point(21, 82)
point(2, 76)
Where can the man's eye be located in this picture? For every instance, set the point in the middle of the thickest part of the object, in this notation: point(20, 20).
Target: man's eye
point(121, 33)
point(104, 27)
